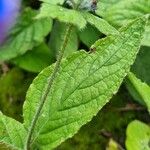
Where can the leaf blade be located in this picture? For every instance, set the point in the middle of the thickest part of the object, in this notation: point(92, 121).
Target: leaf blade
point(62, 14)
point(12, 133)
point(101, 24)
point(92, 79)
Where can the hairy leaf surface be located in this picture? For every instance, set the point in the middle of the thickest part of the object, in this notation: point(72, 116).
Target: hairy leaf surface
point(57, 36)
point(84, 84)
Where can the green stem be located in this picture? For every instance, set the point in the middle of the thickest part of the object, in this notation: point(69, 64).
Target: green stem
point(50, 82)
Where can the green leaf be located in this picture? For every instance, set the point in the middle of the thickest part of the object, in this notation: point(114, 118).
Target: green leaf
point(101, 24)
point(83, 85)
point(62, 14)
point(89, 35)
point(138, 136)
point(121, 12)
point(27, 34)
point(57, 36)
point(12, 133)
point(35, 60)
point(140, 88)
point(146, 39)
point(104, 5)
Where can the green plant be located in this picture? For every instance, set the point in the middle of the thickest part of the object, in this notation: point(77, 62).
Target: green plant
point(67, 94)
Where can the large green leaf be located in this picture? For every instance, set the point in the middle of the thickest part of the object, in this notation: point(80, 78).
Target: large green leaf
point(27, 34)
point(84, 84)
point(138, 136)
point(139, 89)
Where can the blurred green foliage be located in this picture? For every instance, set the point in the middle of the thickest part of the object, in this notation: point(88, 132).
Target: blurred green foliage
point(13, 87)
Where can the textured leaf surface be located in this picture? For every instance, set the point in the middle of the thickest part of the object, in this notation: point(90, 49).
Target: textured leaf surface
point(141, 89)
point(26, 35)
point(12, 132)
point(84, 84)
point(138, 136)
point(35, 60)
point(62, 14)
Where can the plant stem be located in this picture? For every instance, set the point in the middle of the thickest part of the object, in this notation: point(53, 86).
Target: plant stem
point(50, 82)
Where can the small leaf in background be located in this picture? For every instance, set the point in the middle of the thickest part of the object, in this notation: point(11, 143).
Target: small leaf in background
point(57, 36)
point(120, 12)
point(139, 90)
point(138, 136)
point(12, 132)
point(36, 59)
point(101, 24)
point(65, 15)
point(85, 83)
point(26, 35)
